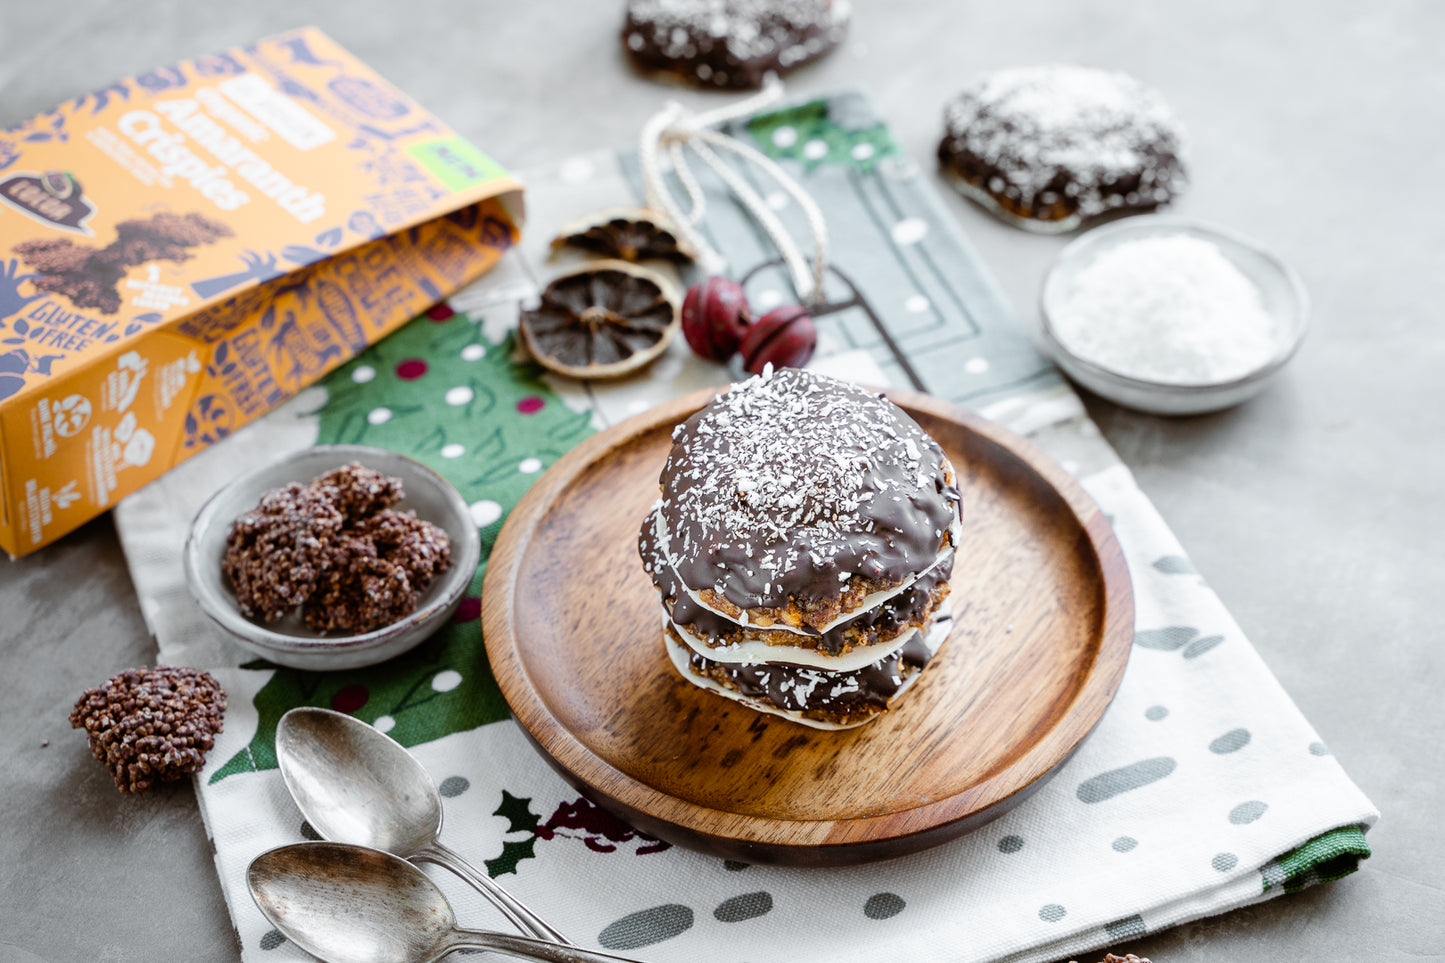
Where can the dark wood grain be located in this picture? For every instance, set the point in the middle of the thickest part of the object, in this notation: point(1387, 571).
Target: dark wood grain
point(1044, 623)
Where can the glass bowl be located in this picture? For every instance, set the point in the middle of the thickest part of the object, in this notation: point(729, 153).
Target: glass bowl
point(289, 641)
point(1281, 292)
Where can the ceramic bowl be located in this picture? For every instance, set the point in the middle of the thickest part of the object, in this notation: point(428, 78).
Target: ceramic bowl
point(289, 641)
point(1281, 291)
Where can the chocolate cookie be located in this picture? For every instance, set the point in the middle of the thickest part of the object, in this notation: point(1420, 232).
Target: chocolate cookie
point(730, 44)
point(796, 500)
point(1047, 148)
point(376, 572)
point(358, 492)
point(277, 550)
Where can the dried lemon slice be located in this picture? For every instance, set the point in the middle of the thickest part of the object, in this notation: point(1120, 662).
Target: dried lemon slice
point(628, 233)
point(602, 320)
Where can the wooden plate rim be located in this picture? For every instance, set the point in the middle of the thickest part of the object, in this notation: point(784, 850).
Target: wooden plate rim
point(591, 771)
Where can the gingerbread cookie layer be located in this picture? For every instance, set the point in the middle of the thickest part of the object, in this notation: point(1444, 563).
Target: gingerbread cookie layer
point(810, 696)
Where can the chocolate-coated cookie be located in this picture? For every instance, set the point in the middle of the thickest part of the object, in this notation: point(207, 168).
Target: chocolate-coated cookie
point(730, 44)
point(1047, 148)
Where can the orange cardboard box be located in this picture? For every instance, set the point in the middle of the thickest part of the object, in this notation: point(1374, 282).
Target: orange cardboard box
point(183, 250)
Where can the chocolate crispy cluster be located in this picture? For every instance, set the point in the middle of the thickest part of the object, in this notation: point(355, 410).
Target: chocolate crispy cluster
point(337, 549)
point(151, 725)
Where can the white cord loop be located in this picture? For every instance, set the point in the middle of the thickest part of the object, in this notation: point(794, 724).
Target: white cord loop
point(676, 131)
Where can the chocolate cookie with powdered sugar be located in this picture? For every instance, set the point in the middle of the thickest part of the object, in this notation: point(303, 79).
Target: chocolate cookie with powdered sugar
point(730, 44)
point(1048, 148)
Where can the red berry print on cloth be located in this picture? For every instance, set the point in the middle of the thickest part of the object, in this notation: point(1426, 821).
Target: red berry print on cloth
point(598, 829)
point(530, 405)
point(410, 369)
point(349, 699)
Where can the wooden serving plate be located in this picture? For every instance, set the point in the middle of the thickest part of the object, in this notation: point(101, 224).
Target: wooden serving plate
point(1044, 620)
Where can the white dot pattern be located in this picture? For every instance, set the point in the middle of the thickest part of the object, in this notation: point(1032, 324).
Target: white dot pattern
point(484, 512)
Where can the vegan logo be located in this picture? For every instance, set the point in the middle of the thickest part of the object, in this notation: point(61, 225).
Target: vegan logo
point(54, 198)
point(71, 414)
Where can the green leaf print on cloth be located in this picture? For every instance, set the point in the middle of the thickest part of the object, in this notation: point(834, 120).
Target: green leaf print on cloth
point(813, 135)
point(440, 687)
point(439, 392)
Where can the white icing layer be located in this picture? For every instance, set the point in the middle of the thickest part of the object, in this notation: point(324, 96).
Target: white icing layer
point(937, 634)
point(755, 653)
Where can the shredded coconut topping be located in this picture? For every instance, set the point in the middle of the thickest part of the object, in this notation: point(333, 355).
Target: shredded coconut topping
point(792, 482)
point(710, 37)
point(749, 28)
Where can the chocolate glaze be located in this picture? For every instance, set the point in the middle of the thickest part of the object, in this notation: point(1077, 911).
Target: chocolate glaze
point(805, 689)
point(889, 618)
point(790, 484)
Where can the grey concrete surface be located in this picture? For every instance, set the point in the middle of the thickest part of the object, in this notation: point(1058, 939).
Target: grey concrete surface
point(1317, 127)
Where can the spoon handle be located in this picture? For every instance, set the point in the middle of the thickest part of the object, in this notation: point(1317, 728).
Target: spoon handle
point(526, 948)
point(512, 908)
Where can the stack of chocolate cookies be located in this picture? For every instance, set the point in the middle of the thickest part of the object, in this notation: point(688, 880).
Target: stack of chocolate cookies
point(802, 548)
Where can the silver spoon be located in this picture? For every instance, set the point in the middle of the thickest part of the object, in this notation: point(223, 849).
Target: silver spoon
point(357, 785)
point(349, 904)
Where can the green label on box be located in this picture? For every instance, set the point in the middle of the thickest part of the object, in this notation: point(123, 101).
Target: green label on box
point(456, 162)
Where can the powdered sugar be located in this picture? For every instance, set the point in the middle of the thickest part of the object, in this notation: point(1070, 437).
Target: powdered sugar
point(1169, 308)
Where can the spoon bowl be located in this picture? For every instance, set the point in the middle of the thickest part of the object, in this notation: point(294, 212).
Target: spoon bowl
point(357, 785)
point(350, 904)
